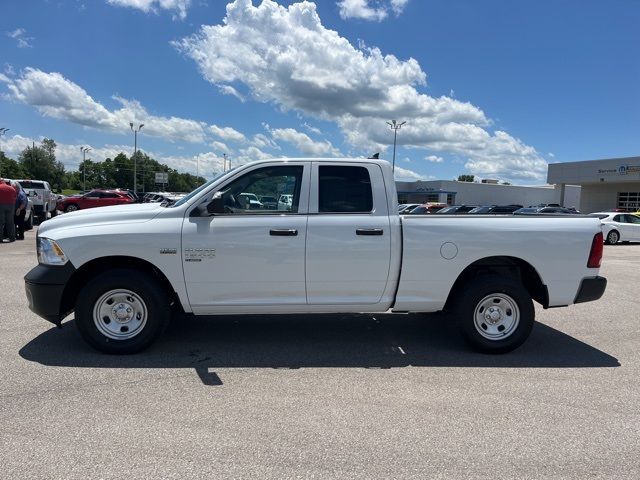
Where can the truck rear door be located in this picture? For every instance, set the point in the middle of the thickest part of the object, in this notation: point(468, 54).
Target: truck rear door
point(348, 235)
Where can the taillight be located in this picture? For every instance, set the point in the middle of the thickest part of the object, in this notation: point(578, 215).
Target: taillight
point(595, 255)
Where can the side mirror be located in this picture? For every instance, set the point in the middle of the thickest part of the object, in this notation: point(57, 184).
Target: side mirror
point(216, 205)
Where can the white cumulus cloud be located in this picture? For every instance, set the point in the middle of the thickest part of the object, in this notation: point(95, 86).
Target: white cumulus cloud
point(361, 9)
point(434, 159)
point(373, 10)
point(19, 36)
point(228, 134)
point(55, 96)
point(285, 56)
point(179, 6)
point(206, 163)
point(403, 174)
point(304, 143)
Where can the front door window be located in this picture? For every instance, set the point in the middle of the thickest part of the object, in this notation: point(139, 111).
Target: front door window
point(257, 191)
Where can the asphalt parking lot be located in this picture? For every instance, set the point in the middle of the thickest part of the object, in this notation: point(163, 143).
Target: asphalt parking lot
point(358, 396)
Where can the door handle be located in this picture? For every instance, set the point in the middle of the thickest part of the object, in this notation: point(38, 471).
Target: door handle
point(283, 232)
point(369, 231)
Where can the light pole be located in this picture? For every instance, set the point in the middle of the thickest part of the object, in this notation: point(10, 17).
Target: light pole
point(3, 130)
point(84, 151)
point(135, 156)
point(224, 165)
point(395, 126)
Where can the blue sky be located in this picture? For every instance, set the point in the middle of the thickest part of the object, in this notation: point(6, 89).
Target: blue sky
point(493, 88)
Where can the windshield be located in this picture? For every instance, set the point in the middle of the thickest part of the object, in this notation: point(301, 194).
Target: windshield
point(448, 210)
point(202, 187)
point(480, 210)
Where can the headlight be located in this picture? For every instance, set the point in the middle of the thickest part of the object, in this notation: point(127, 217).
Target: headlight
point(49, 252)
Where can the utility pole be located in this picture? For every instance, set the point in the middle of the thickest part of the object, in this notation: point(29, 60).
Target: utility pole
point(3, 130)
point(84, 151)
point(224, 165)
point(395, 127)
point(135, 156)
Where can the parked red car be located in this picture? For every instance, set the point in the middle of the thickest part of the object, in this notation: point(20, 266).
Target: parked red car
point(95, 198)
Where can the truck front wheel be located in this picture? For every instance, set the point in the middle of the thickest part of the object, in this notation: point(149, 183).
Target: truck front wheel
point(122, 311)
point(495, 313)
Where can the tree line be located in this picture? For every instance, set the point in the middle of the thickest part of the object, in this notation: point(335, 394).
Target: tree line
point(38, 162)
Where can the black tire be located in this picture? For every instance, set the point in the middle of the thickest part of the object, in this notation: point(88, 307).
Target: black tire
point(143, 285)
point(54, 212)
point(72, 207)
point(613, 237)
point(511, 300)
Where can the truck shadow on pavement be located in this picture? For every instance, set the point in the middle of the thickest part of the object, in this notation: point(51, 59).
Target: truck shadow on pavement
point(315, 341)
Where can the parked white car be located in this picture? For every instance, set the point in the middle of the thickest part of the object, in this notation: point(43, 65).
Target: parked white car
point(619, 227)
point(250, 201)
point(44, 200)
point(285, 202)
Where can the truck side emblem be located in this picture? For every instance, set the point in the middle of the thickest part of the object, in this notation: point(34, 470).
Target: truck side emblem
point(168, 251)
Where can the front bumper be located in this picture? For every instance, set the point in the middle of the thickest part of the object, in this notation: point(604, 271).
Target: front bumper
point(44, 286)
point(591, 289)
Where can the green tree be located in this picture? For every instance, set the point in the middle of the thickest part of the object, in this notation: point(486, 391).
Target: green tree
point(9, 168)
point(466, 178)
point(119, 171)
point(39, 163)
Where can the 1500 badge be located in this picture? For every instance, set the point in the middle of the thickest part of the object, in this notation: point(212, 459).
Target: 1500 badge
point(198, 254)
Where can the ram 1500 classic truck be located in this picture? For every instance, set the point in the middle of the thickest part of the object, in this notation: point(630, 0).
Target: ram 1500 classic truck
point(337, 246)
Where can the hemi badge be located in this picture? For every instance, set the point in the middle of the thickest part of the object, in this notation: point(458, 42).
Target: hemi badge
point(168, 251)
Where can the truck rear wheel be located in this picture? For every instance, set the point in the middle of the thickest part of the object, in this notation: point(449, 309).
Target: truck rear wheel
point(122, 311)
point(495, 313)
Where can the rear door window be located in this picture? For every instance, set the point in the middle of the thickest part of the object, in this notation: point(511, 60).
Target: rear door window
point(28, 184)
point(344, 189)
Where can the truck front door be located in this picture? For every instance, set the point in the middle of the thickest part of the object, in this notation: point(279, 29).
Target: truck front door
point(348, 235)
point(248, 257)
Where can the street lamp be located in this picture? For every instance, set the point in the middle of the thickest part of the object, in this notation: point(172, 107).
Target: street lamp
point(84, 151)
point(395, 127)
point(135, 157)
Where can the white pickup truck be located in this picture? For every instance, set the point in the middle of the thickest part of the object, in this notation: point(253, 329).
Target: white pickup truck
point(339, 246)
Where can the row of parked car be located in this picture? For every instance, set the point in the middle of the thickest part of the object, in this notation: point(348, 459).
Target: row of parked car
point(112, 196)
point(442, 208)
point(617, 225)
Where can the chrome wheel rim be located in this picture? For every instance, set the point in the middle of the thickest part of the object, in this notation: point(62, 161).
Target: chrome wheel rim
point(613, 237)
point(72, 208)
point(496, 316)
point(120, 314)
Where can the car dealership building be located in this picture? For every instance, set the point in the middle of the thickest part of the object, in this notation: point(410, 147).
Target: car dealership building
point(453, 192)
point(606, 184)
